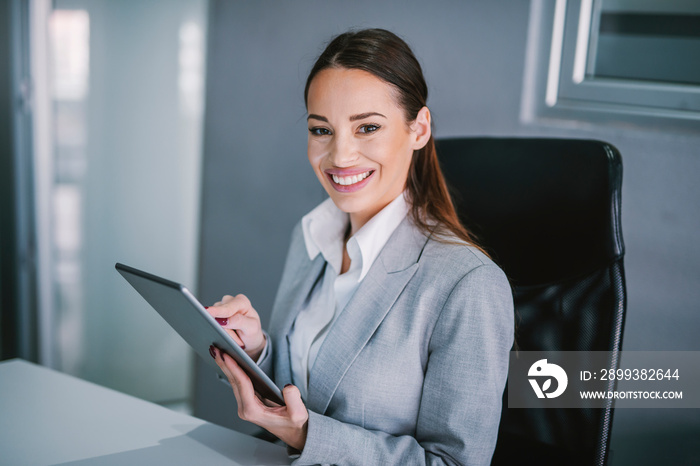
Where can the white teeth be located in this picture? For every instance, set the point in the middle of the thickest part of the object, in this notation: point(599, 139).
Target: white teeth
point(348, 180)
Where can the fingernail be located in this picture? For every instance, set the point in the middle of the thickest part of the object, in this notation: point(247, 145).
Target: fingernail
point(206, 307)
point(222, 320)
point(243, 346)
point(212, 352)
point(288, 385)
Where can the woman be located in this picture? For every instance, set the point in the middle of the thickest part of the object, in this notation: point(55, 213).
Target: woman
point(391, 328)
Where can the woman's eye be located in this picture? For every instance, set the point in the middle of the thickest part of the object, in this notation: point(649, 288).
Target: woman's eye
point(368, 128)
point(319, 131)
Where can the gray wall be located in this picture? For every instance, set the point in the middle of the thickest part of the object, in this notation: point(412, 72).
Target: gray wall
point(257, 182)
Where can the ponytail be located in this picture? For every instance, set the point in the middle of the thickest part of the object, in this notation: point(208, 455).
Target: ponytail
point(432, 209)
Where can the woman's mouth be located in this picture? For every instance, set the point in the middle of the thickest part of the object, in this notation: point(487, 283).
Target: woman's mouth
point(350, 182)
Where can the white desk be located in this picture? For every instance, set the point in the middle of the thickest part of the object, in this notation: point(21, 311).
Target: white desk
point(47, 417)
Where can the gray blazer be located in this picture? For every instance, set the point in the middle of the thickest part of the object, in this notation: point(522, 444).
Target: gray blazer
point(413, 369)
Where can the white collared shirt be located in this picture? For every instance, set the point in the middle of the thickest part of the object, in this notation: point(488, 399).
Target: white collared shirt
point(324, 231)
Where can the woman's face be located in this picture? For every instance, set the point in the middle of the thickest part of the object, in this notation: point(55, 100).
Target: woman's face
point(360, 145)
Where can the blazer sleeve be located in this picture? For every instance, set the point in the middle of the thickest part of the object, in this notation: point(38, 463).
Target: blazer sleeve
point(264, 361)
point(462, 389)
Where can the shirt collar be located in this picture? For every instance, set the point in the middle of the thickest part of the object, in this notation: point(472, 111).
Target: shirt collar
point(324, 230)
point(325, 226)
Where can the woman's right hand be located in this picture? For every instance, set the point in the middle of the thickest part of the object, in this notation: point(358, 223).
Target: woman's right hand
point(241, 321)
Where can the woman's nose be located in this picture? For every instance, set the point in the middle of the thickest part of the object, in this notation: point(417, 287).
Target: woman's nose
point(343, 153)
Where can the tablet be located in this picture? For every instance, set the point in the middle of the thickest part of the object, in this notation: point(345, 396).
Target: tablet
point(190, 319)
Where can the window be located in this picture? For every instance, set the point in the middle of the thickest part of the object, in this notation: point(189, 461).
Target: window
point(117, 180)
point(630, 61)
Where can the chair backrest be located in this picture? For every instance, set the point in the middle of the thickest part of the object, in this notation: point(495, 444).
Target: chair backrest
point(548, 212)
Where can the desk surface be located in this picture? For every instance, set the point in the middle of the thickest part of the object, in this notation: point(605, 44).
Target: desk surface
point(47, 417)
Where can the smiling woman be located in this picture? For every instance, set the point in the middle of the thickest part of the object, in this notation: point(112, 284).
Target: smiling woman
point(360, 145)
point(391, 328)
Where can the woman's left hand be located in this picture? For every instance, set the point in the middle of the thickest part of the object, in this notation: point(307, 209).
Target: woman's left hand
point(289, 422)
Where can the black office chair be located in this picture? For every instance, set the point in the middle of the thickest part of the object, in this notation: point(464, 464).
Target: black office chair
point(548, 212)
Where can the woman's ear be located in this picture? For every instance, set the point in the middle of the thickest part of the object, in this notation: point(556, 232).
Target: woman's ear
point(420, 129)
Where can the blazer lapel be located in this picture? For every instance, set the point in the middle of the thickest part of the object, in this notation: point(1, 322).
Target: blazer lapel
point(358, 321)
point(288, 305)
point(297, 291)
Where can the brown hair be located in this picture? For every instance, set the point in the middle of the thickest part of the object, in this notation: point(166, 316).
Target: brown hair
point(389, 58)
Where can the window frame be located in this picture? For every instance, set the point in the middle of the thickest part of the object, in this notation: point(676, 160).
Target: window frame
point(559, 84)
